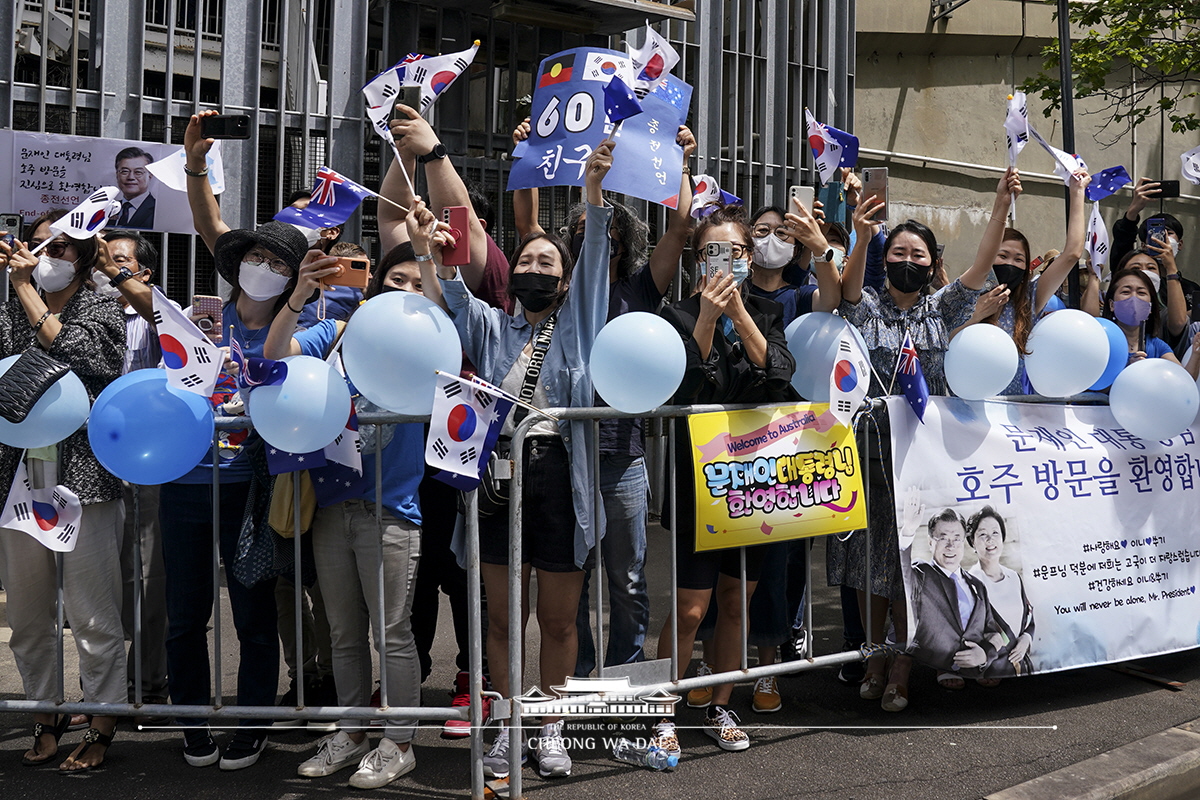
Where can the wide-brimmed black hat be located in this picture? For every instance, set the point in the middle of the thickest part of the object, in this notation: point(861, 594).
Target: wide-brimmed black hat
point(284, 240)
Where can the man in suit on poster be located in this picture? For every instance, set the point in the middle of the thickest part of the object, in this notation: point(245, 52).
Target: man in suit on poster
point(133, 179)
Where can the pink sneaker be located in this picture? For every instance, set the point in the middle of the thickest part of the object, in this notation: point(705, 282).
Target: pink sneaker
point(461, 728)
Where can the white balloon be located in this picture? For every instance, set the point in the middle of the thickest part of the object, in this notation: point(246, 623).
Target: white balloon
point(637, 362)
point(1154, 399)
point(305, 412)
point(392, 347)
point(981, 361)
point(60, 411)
point(1068, 352)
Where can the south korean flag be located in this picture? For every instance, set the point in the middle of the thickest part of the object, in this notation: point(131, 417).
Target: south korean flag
point(89, 217)
point(50, 515)
point(193, 362)
point(466, 421)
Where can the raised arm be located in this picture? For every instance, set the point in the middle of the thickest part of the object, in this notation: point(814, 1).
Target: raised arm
point(664, 261)
point(280, 343)
point(1007, 188)
point(446, 188)
point(807, 230)
point(206, 214)
point(392, 230)
point(525, 201)
point(1061, 267)
point(856, 262)
point(139, 295)
point(1177, 311)
point(427, 236)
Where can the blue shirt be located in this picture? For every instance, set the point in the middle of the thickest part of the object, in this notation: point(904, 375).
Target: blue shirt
point(402, 460)
point(493, 339)
point(796, 300)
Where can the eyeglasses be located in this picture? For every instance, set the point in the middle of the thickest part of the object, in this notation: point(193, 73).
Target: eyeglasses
point(781, 231)
point(276, 265)
point(741, 250)
point(54, 249)
point(125, 172)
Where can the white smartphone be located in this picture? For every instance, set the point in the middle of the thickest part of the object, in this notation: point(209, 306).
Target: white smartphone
point(720, 259)
point(805, 194)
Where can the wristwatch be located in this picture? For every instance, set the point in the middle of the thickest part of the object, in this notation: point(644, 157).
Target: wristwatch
point(438, 151)
point(123, 274)
point(1174, 276)
point(827, 257)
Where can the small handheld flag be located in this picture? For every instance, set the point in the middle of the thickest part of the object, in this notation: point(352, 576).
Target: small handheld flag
point(1097, 240)
point(88, 218)
point(1107, 182)
point(830, 147)
point(1016, 126)
point(912, 378)
point(655, 59)
point(1065, 164)
point(334, 198)
point(50, 515)
point(463, 429)
point(850, 378)
point(619, 101)
point(192, 361)
point(435, 74)
point(1190, 165)
point(708, 196)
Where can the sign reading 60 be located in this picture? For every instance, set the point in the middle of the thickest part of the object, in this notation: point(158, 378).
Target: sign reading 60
point(576, 114)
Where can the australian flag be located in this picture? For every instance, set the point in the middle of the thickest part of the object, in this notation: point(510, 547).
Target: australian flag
point(334, 198)
point(619, 101)
point(912, 378)
point(254, 371)
point(1107, 182)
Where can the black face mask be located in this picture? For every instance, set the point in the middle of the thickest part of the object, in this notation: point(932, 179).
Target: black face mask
point(1009, 275)
point(908, 277)
point(576, 244)
point(535, 290)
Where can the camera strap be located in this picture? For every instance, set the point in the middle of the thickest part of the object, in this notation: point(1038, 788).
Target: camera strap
point(541, 344)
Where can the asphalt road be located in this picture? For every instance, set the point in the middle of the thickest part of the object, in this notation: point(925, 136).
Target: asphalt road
point(825, 743)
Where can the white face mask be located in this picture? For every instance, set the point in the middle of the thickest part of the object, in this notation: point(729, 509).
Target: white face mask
point(311, 235)
point(104, 286)
point(259, 282)
point(1154, 277)
point(1173, 243)
point(53, 274)
point(771, 252)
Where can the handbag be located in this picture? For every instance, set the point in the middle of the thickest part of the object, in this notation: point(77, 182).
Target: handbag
point(493, 494)
point(26, 381)
point(282, 517)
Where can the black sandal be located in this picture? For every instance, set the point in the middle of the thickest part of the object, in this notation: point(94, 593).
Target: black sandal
point(90, 737)
point(39, 729)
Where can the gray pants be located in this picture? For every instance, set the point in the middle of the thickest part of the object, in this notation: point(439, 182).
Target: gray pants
point(91, 600)
point(148, 534)
point(346, 543)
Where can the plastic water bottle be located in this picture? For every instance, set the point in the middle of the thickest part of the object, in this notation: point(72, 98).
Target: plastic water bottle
point(652, 757)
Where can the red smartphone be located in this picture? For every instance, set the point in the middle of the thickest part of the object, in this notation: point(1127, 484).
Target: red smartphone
point(460, 254)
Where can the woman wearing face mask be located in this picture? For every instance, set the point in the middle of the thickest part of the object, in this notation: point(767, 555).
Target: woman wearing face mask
point(736, 353)
point(560, 314)
point(1130, 303)
point(1019, 297)
point(1157, 261)
point(53, 308)
point(775, 241)
point(884, 318)
point(261, 266)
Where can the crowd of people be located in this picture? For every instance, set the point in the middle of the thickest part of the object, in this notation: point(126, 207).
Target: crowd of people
point(527, 322)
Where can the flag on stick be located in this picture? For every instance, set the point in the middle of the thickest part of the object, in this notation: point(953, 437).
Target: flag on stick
point(912, 378)
point(708, 196)
point(1016, 126)
point(463, 428)
point(1097, 240)
point(831, 148)
point(1107, 182)
point(655, 59)
point(334, 198)
point(850, 378)
point(88, 218)
point(1190, 165)
point(193, 362)
point(50, 515)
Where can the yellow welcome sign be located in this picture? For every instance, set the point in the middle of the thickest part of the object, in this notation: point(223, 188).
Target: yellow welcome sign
point(774, 473)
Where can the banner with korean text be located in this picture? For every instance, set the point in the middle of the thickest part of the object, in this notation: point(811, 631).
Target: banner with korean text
point(773, 473)
point(1039, 537)
point(568, 121)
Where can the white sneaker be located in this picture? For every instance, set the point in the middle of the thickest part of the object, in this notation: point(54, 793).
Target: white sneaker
point(383, 765)
point(552, 758)
point(334, 753)
point(495, 762)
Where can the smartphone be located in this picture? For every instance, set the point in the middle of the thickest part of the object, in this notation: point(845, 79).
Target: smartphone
point(225, 126)
point(355, 273)
point(1168, 189)
point(720, 259)
point(1195, 317)
point(875, 184)
point(210, 306)
point(941, 248)
point(11, 227)
point(460, 254)
point(804, 194)
point(1156, 228)
point(409, 96)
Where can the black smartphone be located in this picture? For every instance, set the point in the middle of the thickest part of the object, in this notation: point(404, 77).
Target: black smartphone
point(409, 96)
point(225, 126)
point(1196, 306)
point(1168, 189)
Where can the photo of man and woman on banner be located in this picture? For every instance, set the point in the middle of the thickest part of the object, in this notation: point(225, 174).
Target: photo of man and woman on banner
point(1037, 538)
point(56, 171)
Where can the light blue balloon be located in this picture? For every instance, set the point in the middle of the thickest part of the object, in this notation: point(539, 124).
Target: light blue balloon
point(1055, 303)
point(813, 341)
point(58, 413)
point(146, 432)
point(1068, 352)
point(981, 361)
point(392, 346)
point(305, 412)
point(1118, 354)
point(1154, 399)
point(637, 362)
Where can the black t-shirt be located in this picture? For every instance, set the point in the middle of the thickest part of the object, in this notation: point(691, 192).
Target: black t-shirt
point(637, 292)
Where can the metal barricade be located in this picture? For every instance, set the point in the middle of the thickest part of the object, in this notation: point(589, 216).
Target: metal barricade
point(219, 710)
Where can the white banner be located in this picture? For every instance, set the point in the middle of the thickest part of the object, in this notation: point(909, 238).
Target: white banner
point(1041, 537)
point(54, 171)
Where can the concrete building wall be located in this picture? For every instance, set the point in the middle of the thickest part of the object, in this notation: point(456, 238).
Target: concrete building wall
point(938, 90)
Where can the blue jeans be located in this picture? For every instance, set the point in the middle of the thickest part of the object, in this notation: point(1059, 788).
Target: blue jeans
point(185, 511)
point(623, 484)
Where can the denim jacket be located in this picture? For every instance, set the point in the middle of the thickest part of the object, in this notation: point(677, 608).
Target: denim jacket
point(493, 339)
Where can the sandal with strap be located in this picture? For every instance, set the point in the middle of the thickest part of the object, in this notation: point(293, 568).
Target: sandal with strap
point(90, 737)
point(39, 729)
